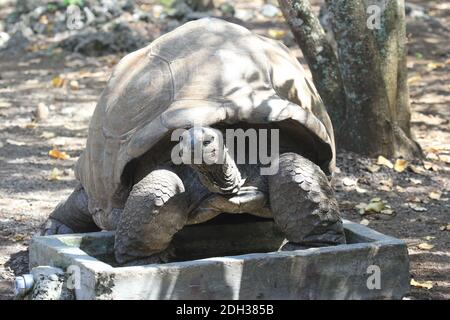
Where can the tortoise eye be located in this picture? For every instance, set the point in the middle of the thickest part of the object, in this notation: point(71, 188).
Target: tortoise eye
point(180, 153)
point(207, 142)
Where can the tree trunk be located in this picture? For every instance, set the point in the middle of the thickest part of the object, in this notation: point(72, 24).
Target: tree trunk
point(373, 116)
point(392, 47)
point(319, 55)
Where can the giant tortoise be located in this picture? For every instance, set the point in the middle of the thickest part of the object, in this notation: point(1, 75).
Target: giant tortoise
point(206, 76)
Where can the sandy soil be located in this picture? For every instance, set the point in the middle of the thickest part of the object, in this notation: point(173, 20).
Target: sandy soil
point(27, 195)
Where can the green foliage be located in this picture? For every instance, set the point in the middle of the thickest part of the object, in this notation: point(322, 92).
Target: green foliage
point(167, 3)
point(52, 7)
point(73, 2)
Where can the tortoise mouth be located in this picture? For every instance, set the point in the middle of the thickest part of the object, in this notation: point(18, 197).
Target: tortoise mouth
point(222, 178)
point(205, 159)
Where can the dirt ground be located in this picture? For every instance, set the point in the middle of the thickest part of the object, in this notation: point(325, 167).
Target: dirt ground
point(32, 183)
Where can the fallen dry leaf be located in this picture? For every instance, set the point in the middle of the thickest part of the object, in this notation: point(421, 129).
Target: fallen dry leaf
point(416, 169)
point(361, 190)
point(56, 154)
point(425, 246)
point(361, 207)
point(19, 218)
point(444, 158)
point(430, 166)
point(400, 165)
point(55, 174)
point(59, 141)
point(382, 161)
point(385, 188)
point(423, 285)
point(435, 65)
point(43, 19)
point(74, 85)
point(387, 211)
point(414, 79)
point(416, 207)
point(373, 168)
point(19, 237)
point(348, 182)
point(58, 81)
point(435, 195)
point(88, 74)
point(432, 156)
point(47, 135)
point(276, 33)
point(375, 207)
point(445, 228)
point(5, 104)
point(31, 125)
point(387, 182)
point(436, 149)
point(15, 143)
point(364, 222)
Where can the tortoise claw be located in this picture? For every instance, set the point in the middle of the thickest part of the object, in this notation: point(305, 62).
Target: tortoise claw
point(53, 226)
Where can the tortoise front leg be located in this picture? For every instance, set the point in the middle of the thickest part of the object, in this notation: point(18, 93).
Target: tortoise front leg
point(303, 204)
point(70, 216)
point(156, 209)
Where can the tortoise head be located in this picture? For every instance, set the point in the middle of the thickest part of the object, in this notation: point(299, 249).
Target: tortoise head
point(201, 146)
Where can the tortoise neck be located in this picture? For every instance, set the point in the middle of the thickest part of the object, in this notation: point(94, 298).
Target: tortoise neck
point(223, 178)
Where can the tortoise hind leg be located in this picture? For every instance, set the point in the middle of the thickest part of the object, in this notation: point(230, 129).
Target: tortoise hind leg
point(70, 216)
point(156, 209)
point(303, 204)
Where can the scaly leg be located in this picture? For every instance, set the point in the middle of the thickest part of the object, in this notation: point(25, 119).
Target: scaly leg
point(70, 216)
point(304, 205)
point(156, 209)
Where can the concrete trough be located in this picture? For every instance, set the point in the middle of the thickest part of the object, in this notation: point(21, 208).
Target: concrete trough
point(235, 260)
